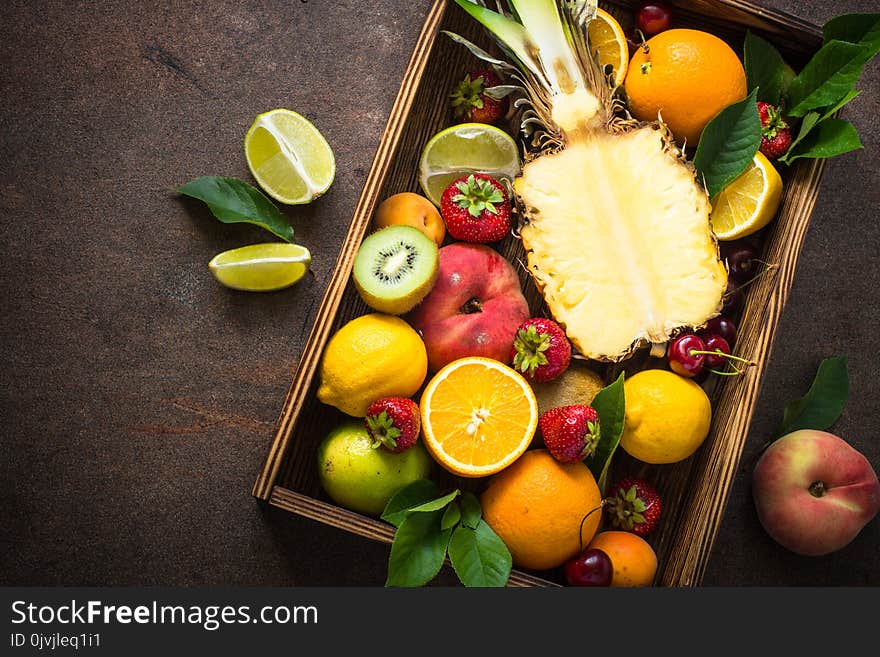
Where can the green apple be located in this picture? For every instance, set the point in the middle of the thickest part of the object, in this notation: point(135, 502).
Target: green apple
point(362, 478)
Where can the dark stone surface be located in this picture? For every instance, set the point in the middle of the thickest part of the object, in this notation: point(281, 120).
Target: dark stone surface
point(138, 395)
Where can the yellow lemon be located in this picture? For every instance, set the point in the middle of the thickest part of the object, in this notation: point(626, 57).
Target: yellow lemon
point(371, 356)
point(749, 203)
point(667, 417)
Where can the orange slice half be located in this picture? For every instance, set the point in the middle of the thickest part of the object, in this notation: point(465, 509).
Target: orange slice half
point(608, 42)
point(478, 416)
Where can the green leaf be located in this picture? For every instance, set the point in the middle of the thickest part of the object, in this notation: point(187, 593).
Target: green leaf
point(418, 550)
point(854, 28)
point(435, 505)
point(765, 69)
point(830, 138)
point(610, 404)
point(479, 557)
point(451, 516)
point(471, 512)
point(812, 119)
point(829, 75)
point(728, 144)
point(234, 201)
point(416, 493)
point(824, 401)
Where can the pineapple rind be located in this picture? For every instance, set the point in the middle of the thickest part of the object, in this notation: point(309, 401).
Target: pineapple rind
point(619, 241)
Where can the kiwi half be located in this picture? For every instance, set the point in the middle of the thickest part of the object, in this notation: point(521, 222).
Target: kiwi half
point(395, 268)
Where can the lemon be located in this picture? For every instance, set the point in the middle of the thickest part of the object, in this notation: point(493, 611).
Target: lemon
point(608, 42)
point(466, 148)
point(370, 357)
point(361, 478)
point(261, 267)
point(289, 157)
point(749, 203)
point(667, 417)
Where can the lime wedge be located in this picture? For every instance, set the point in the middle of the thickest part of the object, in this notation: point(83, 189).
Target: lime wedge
point(466, 148)
point(261, 267)
point(289, 157)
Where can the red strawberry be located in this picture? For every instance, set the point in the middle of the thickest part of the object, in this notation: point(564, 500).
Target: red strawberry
point(393, 423)
point(541, 350)
point(471, 103)
point(633, 505)
point(476, 208)
point(775, 132)
point(570, 433)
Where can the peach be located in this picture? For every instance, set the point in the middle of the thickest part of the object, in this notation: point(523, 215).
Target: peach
point(409, 209)
point(814, 492)
point(474, 309)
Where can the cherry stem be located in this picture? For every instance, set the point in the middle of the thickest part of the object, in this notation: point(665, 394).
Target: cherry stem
point(718, 352)
point(583, 520)
point(767, 268)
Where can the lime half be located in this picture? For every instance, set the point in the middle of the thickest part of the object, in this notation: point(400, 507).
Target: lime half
point(289, 157)
point(466, 148)
point(261, 267)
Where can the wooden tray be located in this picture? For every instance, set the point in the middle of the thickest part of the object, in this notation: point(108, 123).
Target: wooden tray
point(695, 490)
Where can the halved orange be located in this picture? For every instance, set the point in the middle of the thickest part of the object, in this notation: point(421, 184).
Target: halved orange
point(478, 416)
point(608, 43)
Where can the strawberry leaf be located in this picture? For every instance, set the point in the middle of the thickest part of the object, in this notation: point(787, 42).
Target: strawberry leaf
point(611, 407)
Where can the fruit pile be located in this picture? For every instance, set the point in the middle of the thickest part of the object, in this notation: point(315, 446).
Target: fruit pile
point(450, 369)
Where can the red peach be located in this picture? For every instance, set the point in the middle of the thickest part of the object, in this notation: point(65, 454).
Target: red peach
point(814, 492)
point(474, 309)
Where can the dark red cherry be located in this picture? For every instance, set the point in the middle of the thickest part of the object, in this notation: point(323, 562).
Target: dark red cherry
point(742, 263)
point(733, 297)
point(722, 326)
point(715, 342)
point(592, 567)
point(653, 18)
point(683, 356)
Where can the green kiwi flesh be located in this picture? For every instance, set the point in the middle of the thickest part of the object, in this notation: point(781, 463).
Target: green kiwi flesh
point(395, 268)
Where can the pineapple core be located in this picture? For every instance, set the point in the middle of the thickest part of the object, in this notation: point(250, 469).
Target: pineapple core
point(618, 240)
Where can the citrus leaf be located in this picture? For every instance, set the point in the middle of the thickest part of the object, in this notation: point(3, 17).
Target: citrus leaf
point(830, 138)
point(435, 505)
point(412, 495)
point(811, 120)
point(451, 516)
point(829, 75)
point(824, 401)
point(728, 144)
point(479, 557)
point(610, 404)
point(854, 28)
point(471, 512)
point(765, 69)
point(234, 201)
point(418, 550)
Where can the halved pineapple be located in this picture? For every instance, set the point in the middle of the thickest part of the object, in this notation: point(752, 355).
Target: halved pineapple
point(628, 258)
point(618, 234)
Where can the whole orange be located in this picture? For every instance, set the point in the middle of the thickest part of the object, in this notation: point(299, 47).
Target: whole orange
point(544, 511)
point(632, 557)
point(686, 77)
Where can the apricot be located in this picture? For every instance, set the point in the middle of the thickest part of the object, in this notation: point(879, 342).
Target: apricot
point(409, 209)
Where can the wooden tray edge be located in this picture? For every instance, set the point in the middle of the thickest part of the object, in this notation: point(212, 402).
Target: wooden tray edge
point(319, 334)
point(329, 514)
